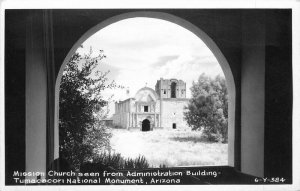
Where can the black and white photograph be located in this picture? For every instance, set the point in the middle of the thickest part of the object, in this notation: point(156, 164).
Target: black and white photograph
point(135, 97)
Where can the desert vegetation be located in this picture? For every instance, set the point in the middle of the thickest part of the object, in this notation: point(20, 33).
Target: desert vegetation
point(165, 148)
point(84, 140)
point(208, 108)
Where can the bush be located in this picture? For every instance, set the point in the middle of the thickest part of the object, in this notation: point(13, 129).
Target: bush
point(211, 137)
point(81, 133)
point(116, 161)
point(208, 108)
point(138, 163)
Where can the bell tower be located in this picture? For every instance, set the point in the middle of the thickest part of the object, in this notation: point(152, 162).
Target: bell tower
point(170, 88)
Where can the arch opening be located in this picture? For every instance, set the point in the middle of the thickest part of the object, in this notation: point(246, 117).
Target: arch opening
point(146, 125)
point(173, 89)
point(185, 24)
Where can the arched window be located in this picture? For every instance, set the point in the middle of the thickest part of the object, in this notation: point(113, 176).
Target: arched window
point(173, 90)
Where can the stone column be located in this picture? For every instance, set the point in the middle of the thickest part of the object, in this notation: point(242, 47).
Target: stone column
point(154, 116)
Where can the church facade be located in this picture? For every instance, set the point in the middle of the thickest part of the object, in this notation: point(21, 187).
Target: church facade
point(151, 109)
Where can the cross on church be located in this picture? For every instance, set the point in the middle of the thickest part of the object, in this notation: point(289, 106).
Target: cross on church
point(146, 84)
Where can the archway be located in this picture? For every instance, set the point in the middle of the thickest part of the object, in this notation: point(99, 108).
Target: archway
point(173, 90)
point(146, 125)
point(185, 24)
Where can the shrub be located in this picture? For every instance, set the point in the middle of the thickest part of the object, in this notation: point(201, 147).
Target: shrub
point(208, 108)
point(81, 133)
point(116, 161)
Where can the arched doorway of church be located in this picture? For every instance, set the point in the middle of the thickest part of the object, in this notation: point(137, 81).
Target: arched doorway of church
point(146, 125)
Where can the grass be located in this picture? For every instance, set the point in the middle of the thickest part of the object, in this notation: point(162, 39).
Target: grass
point(117, 161)
point(169, 148)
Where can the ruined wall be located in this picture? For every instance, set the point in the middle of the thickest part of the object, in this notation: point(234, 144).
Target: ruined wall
point(163, 88)
point(122, 112)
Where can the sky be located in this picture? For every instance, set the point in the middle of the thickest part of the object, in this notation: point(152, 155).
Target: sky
point(140, 51)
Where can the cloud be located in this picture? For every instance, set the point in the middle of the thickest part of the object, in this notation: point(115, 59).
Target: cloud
point(163, 60)
point(113, 71)
point(143, 50)
point(187, 68)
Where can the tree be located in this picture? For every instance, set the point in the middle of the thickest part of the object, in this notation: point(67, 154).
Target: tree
point(81, 133)
point(208, 108)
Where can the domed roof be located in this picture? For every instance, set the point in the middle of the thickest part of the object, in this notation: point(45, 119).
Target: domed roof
point(146, 94)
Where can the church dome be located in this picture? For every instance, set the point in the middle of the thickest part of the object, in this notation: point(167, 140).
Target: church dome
point(146, 95)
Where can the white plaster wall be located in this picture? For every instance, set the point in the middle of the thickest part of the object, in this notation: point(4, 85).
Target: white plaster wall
point(173, 113)
point(36, 100)
point(253, 97)
point(132, 106)
point(121, 119)
point(157, 106)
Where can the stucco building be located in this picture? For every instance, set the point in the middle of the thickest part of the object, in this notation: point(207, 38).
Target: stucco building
point(150, 109)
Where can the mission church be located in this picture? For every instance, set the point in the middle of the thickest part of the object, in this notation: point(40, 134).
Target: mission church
point(149, 109)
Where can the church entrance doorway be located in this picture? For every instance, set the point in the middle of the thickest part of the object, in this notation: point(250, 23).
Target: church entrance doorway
point(146, 125)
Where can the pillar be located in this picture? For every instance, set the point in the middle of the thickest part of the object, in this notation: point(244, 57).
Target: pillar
point(40, 95)
point(253, 94)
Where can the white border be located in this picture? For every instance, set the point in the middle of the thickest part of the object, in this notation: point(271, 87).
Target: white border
point(114, 4)
point(124, 4)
